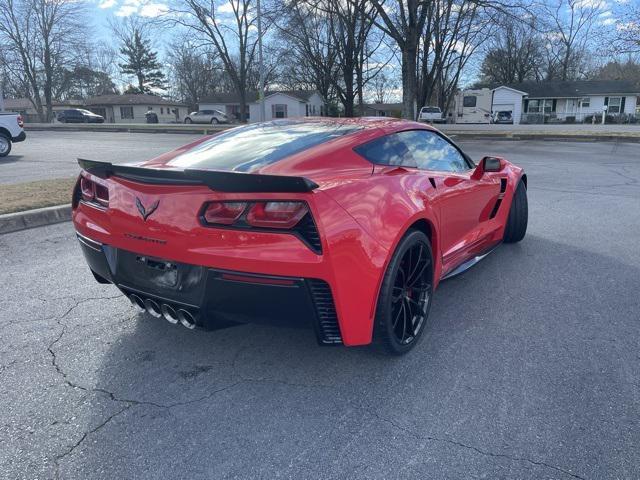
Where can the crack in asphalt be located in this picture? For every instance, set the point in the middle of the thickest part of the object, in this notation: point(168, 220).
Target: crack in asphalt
point(130, 403)
point(468, 447)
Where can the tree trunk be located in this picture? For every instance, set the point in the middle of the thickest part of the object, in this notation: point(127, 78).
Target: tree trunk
point(243, 106)
point(409, 82)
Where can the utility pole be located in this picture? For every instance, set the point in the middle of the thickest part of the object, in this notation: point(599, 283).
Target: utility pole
point(263, 113)
point(1, 98)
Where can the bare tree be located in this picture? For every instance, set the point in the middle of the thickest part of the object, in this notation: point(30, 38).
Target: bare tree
point(514, 54)
point(231, 32)
point(404, 21)
point(39, 37)
point(570, 24)
point(383, 84)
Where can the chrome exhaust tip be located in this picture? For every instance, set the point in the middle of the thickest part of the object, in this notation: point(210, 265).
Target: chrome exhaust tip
point(186, 319)
point(169, 313)
point(137, 302)
point(153, 308)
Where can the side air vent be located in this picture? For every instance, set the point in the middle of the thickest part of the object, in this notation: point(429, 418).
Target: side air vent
point(503, 188)
point(307, 229)
point(328, 328)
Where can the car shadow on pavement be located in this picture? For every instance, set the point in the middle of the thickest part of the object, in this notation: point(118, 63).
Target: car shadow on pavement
point(518, 359)
point(10, 159)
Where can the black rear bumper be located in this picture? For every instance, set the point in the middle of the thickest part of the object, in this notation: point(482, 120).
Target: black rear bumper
point(218, 298)
point(21, 137)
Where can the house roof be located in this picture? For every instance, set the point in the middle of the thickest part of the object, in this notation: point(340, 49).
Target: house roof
point(233, 98)
point(579, 88)
point(25, 103)
point(385, 107)
point(130, 99)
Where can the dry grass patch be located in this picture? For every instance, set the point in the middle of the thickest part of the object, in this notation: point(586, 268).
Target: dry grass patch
point(38, 194)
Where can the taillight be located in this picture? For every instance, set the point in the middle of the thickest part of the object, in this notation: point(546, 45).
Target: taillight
point(276, 214)
point(20, 121)
point(94, 192)
point(223, 213)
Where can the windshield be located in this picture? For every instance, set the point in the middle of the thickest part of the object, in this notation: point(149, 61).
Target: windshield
point(246, 149)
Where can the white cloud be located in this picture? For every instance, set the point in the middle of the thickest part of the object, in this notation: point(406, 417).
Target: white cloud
point(225, 8)
point(609, 21)
point(107, 4)
point(126, 11)
point(152, 10)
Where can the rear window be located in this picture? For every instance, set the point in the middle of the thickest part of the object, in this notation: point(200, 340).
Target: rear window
point(430, 109)
point(250, 148)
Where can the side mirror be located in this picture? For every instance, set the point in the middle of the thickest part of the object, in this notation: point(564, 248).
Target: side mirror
point(492, 164)
point(488, 164)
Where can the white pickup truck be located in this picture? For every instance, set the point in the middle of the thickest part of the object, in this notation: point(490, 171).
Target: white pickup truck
point(11, 131)
point(431, 115)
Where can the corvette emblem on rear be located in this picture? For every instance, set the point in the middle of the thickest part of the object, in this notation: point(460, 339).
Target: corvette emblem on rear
point(145, 213)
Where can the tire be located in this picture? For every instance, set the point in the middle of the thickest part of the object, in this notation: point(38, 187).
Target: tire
point(412, 305)
point(5, 145)
point(214, 121)
point(518, 215)
point(187, 121)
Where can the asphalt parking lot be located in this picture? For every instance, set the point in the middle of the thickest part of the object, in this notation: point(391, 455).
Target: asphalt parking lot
point(530, 368)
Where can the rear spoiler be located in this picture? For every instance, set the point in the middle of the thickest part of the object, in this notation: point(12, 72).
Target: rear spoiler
point(235, 182)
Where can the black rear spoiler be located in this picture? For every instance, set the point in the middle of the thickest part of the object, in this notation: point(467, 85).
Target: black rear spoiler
point(215, 180)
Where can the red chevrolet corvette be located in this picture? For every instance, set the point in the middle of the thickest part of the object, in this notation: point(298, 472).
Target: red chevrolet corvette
point(342, 225)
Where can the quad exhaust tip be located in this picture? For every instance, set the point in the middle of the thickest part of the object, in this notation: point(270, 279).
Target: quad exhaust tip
point(153, 308)
point(186, 319)
point(169, 313)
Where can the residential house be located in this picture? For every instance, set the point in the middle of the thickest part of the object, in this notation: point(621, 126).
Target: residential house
point(278, 104)
point(24, 107)
point(382, 109)
point(568, 102)
point(131, 108)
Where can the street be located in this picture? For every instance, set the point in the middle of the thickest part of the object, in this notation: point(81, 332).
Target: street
point(530, 367)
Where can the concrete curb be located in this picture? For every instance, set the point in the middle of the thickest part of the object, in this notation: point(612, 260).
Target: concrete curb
point(13, 222)
point(127, 128)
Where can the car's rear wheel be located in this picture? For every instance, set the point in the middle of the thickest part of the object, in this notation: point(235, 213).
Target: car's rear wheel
point(5, 145)
point(405, 295)
point(518, 215)
point(187, 120)
point(214, 121)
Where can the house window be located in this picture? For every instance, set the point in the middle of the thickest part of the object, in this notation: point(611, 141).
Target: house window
point(279, 110)
point(585, 102)
point(161, 111)
point(614, 105)
point(469, 101)
point(540, 106)
point(126, 113)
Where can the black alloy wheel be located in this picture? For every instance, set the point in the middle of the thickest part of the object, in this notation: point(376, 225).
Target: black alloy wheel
point(405, 296)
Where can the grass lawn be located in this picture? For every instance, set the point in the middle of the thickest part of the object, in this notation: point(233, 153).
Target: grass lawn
point(42, 193)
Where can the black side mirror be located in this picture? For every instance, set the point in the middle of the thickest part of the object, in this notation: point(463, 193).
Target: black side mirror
point(491, 164)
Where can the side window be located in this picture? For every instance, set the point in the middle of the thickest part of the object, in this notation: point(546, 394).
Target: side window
point(414, 148)
point(432, 152)
point(387, 150)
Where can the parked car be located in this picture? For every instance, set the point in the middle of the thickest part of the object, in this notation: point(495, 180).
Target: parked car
point(503, 116)
point(431, 115)
point(290, 223)
point(79, 115)
point(207, 116)
point(11, 131)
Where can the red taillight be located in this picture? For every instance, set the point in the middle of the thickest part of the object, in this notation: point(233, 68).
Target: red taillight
point(276, 214)
point(223, 213)
point(94, 192)
point(20, 121)
point(87, 187)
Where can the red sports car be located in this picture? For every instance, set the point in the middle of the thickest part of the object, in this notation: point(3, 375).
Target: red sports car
point(342, 225)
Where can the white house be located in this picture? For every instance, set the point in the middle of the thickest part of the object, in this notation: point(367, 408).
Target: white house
point(278, 104)
point(131, 108)
point(568, 102)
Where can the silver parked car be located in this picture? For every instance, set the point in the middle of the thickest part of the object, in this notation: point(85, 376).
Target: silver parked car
point(206, 116)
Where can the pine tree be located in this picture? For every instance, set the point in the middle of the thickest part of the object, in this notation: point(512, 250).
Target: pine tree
point(143, 63)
